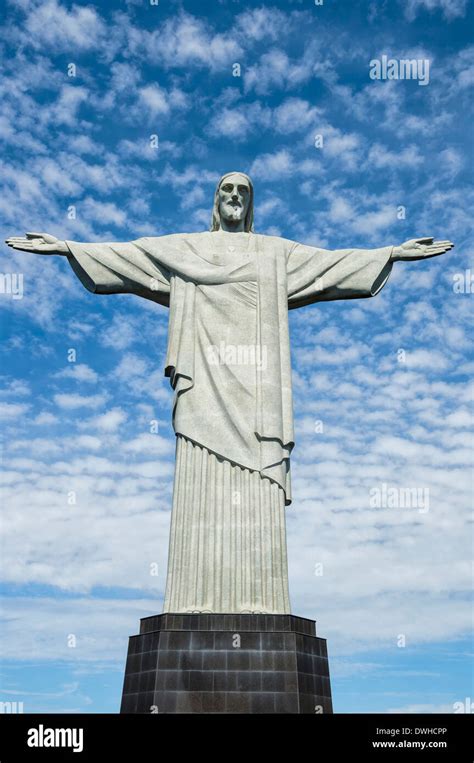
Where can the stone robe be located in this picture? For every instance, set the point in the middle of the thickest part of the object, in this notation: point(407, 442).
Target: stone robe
point(228, 360)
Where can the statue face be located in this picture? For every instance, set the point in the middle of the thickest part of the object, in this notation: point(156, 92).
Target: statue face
point(234, 198)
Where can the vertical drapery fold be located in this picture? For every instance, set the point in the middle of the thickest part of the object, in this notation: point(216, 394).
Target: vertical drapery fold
point(227, 548)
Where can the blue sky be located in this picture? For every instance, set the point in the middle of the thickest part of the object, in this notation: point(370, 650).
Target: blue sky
point(77, 162)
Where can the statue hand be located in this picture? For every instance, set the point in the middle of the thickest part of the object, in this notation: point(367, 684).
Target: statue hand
point(38, 243)
point(420, 249)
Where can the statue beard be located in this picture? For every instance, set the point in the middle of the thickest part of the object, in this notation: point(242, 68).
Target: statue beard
point(232, 213)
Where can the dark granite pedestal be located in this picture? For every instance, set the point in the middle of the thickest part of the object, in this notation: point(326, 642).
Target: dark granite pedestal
point(216, 663)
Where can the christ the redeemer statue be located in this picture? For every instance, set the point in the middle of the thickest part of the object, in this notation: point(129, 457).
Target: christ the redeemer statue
point(228, 361)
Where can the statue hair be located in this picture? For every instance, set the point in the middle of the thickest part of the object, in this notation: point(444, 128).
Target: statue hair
point(216, 217)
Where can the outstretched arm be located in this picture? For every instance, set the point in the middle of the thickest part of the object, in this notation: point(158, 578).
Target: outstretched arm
point(318, 275)
point(109, 268)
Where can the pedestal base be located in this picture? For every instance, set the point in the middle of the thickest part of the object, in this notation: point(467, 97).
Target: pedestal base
point(216, 663)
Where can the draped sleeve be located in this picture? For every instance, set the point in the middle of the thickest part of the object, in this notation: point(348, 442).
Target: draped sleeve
point(319, 275)
point(120, 268)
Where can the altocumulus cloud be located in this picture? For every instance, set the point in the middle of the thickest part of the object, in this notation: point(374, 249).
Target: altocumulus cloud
point(381, 386)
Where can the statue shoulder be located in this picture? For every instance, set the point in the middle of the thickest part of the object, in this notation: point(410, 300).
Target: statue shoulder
point(278, 243)
point(170, 239)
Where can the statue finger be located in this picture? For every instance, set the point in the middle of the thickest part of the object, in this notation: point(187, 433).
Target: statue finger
point(439, 248)
point(447, 244)
point(433, 254)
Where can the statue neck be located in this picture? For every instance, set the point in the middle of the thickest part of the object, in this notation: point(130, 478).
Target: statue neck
point(233, 226)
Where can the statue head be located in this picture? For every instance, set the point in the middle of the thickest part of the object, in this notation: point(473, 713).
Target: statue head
point(233, 203)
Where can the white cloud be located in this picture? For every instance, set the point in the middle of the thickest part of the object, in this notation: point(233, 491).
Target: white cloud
point(158, 101)
point(45, 419)
point(273, 166)
point(272, 207)
point(185, 40)
point(259, 24)
point(110, 421)
point(131, 365)
point(451, 9)
point(382, 158)
point(426, 360)
point(373, 222)
point(142, 378)
point(73, 401)
point(145, 150)
point(84, 144)
point(120, 333)
point(461, 418)
point(358, 214)
point(451, 162)
point(341, 146)
point(87, 442)
point(118, 493)
point(37, 446)
point(14, 387)
point(425, 707)
point(13, 410)
point(295, 115)
point(64, 111)
point(341, 210)
point(104, 212)
point(276, 70)
point(51, 24)
point(80, 372)
point(150, 444)
point(237, 123)
point(101, 627)
point(54, 178)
